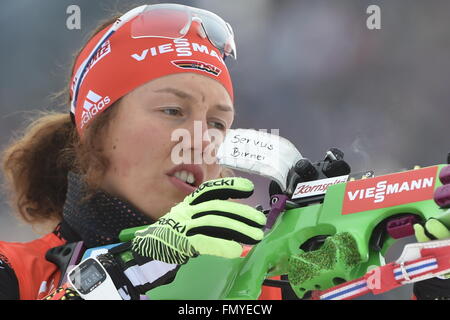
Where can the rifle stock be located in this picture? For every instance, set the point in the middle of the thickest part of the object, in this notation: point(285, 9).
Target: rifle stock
point(300, 229)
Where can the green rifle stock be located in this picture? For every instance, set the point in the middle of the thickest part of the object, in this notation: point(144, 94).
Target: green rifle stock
point(318, 245)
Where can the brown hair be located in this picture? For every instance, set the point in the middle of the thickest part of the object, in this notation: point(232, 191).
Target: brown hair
point(36, 163)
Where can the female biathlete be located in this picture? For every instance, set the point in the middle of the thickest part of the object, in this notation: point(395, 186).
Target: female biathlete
point(108, 163)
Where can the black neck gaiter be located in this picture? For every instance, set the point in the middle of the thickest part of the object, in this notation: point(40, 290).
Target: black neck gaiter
point(98, 220)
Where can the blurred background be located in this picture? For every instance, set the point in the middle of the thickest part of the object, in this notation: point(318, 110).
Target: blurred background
point(310, 68)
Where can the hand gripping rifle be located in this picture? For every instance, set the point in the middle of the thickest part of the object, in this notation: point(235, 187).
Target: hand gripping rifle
point(328, 230)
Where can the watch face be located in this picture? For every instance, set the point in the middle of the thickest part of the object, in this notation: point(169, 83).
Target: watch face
point(87, 276)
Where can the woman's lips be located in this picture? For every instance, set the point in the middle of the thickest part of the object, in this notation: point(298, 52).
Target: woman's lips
point(196, 170)
point(181, 185)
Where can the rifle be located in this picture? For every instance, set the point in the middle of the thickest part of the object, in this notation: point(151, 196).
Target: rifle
point(325, 226)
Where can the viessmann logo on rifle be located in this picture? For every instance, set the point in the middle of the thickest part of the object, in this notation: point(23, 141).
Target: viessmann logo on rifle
point(389, 190)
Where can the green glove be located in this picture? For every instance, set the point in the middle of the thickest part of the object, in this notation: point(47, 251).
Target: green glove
point(204, 223)
point(436, 229)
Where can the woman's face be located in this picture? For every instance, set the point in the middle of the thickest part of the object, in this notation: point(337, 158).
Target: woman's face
point(144, 161)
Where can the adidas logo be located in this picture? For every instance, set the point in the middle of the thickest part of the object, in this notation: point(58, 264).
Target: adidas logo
point(92, 105)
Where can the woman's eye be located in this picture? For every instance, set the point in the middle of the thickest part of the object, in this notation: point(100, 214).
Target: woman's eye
point(217, 125)
point(171, 111)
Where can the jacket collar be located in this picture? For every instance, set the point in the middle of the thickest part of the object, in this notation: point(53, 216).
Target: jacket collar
point(98, 220)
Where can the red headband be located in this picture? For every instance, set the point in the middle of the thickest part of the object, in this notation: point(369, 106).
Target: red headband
point(122, 64)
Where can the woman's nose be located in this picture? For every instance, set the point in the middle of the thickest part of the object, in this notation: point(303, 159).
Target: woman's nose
point(205, 141)
point(201, 134)
point(200, 139)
